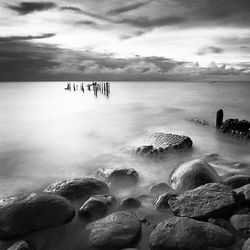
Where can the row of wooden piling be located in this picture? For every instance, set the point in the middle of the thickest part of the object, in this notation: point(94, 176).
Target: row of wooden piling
point(103, 88)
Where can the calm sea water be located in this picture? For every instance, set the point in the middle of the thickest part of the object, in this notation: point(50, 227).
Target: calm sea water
point(48, 133)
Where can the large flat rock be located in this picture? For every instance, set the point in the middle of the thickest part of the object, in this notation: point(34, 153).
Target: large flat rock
point(209, 200)
point(187, 234)
point(158, 144)
point(21, 215)
point(116, 231)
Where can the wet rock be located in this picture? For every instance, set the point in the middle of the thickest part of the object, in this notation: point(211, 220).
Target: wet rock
point(200, 122)
point(159, 144)
point(157, 189)
point(209, 200)
point(241, 222)
point(130, 203)
point(20, 245)
point(78, 188)
point(162, 201)
point(246, 245)
point(115, 231)
point(187, 234)
point(23, 214)
point(96, 206)
point(244, 191)
point(237, 181)
point(192, 174)
point(118, 178)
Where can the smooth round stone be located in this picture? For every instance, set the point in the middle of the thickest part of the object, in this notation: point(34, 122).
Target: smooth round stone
point(246, 245)
point(162, 201)
point(237, 181)
point(96, 206)
point(119, 178)
point(116, 231)
point(24, 214)
point(130, 203)
point(241, 222)
point(192, 174)
point(187, 234)
point(158, 189)
point(20, 245)
point(78, 188)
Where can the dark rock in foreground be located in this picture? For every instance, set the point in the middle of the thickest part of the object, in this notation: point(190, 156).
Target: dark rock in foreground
point(116, 231)
point(130, 203)
point(188, 234)
point(21, 215)
point(212, 199)
point(96, 206)
point(158, 189)
point(118, 178)
point(78, 188)
point(20, 245)
point(237, 181)
point(246, 245)
point(158, 144)
point(192, 174)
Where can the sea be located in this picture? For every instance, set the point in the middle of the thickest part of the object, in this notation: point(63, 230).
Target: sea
point(49, 133)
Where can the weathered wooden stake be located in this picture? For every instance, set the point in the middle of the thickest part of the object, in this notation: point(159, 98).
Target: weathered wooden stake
point(219, 118)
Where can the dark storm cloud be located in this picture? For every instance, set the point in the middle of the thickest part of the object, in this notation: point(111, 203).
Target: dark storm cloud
point(126, 8)
point(28, 7)
point(20, 38)
point(146, 22)
point(210, 50)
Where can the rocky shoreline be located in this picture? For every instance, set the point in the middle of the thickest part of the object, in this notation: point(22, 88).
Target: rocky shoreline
point(204, 211)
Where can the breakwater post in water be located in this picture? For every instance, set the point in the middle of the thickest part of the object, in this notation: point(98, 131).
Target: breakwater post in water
point(219, 118)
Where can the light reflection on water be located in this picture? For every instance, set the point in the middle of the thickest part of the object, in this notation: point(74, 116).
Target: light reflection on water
point(48, 133)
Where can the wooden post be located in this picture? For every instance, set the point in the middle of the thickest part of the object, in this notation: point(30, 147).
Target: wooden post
point(219, 118)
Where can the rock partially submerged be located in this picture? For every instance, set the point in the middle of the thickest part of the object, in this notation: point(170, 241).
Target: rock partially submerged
point(241, 222)
point(188, 234)
point(116, 231)
point(209, 200)
point(158, 189)
point(21, 215)
point(237, 181)
point(20, 245)
point(236, 128)
point(130, 203)
point(118, 177)
point(192, 174)
point(96, 206)
point(78, 188)
point(158, 144)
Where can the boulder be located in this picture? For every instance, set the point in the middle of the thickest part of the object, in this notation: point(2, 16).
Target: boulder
point(237, 181)
point(192, 174)
point(159, 144)
point(130, 203)
point(246, 245)
point(187, 234)
point(241, 222)
point(244, 191)
point(96, 206)
point(162, 201)
point(118, 178)
point(77, 188)
point(23, 214)
point(20, 245)
point(116, 231)
point(158, 189)
point(209, 200)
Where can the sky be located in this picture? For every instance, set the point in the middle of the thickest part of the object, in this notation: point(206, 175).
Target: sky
point(124, 40)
